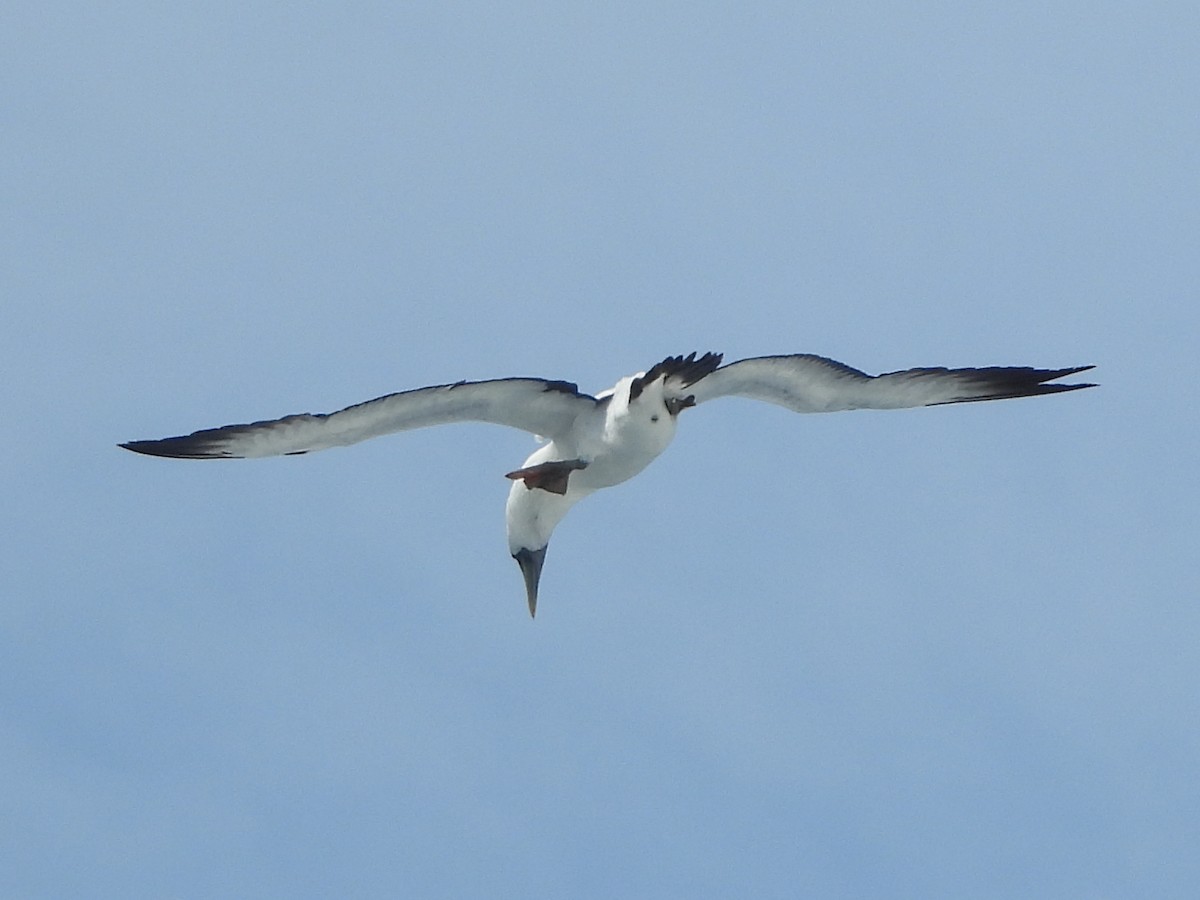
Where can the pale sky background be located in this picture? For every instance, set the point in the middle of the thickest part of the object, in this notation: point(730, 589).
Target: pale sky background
point(936, 653)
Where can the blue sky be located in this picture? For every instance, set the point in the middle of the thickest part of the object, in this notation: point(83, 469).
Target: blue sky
point(943, 652)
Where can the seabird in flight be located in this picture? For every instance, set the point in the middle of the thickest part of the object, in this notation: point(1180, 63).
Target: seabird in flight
point(594, 442)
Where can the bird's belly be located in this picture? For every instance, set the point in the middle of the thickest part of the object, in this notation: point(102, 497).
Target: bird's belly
point(617, 461)
point(614, 450)
point(605, 471)
point(605, 465)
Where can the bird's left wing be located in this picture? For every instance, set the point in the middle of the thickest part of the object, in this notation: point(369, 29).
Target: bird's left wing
point(541, 407)
point(806, 383)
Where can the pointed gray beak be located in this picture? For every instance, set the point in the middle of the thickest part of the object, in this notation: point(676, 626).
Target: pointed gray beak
point(530, 562)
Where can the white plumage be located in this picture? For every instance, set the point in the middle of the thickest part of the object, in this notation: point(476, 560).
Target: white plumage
point(594, 442)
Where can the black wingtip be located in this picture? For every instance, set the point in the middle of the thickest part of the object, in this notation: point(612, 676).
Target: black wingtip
point(1011, 382)
point(1055, 389)
point(146, 447)
point(1053, 374)
point(184, 447)
point(1044, 376)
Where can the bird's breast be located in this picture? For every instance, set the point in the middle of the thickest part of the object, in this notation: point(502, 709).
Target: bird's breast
point(627, 446)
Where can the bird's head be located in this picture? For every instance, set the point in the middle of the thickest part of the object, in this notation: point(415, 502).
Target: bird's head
point(667, 382)
point(530, 516)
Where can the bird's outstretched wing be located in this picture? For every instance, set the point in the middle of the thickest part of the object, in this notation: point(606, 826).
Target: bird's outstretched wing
point(547, 408)
point(806, 383)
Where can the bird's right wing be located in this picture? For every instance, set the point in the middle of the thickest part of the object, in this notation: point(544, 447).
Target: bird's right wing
point(541, 407)
point(806, 383)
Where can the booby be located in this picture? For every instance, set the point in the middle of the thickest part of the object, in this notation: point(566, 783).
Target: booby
point(595, 442)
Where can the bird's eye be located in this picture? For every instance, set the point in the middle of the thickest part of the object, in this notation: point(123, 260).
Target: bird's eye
point(654, 418)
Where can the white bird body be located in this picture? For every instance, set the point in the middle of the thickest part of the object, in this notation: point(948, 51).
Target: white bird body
point(615, 441)
point(597, 442)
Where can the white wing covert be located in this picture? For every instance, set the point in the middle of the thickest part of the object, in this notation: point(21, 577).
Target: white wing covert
point(807, 383)
point(539, 406)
